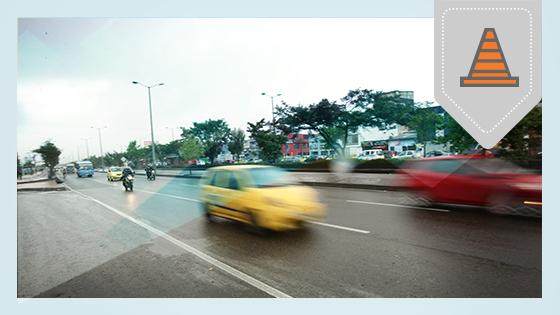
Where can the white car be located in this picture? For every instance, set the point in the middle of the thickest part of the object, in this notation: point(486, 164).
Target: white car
point(371, 155)
point(404, 155)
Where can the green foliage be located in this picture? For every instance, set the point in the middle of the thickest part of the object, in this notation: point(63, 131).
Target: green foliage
point(212, 134)
point(134, 152)
point(425, 122)
point(524, 139)
point(334, 122)
point(190, 148)
point(236, 141)
point(173, 147)
point(50, 155)
point(457, 137)
point(269, 142)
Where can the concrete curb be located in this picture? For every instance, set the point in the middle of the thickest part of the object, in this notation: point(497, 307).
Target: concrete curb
point(33, 181)
point(61, 188)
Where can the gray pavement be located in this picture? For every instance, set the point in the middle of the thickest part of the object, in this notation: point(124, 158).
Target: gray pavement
point(344, 180)
point(99, 241)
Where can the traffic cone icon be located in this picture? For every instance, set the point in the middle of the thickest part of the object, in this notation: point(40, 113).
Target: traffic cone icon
point(489, 67)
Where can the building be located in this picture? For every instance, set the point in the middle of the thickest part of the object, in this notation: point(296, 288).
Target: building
point(403, 142)
point(250, 150)
point(224, 156)
point(318, 147)
point(297, 145)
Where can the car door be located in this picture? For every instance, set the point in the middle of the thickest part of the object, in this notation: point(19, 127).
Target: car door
point(225, 195)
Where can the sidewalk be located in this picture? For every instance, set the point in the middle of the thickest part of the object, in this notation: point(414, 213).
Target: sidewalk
point(42, 185)
point(37, 177)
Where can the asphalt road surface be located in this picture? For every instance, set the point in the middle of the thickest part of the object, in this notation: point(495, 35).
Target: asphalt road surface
point(96, 240)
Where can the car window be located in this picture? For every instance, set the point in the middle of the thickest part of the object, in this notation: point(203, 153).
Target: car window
point(270, 177)
point(233, 183)
point(221, 179)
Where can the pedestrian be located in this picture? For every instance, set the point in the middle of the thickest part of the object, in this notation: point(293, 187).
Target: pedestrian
point(19, 172)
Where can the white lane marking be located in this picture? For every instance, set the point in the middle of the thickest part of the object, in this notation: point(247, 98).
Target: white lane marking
point(312, 222)
point(168, 195)
point(340, 227)
point(151, 192)
point(396, 205)
point(209, 259)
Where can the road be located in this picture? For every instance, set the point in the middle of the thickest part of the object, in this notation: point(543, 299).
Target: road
point(96, 240)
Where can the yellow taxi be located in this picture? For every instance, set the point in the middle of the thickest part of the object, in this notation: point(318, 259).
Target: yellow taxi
point(114, 173)
point(262, 196)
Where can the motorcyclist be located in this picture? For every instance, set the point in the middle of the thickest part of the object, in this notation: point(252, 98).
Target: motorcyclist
point(126, 171)
point(149, 170)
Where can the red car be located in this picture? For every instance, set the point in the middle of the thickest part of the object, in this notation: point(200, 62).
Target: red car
point(477, 180)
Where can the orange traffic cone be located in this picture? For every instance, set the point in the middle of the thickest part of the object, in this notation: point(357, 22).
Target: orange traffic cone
point(489, 67)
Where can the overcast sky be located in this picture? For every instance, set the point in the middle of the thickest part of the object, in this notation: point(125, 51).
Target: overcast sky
point(77, 73)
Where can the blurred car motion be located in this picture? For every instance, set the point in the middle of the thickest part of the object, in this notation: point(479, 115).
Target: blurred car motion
point(114, 173)
point(500, 186)
point(264, 197)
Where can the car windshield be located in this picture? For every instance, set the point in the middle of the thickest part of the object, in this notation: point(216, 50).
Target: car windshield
point(116, 169)
point(86, 167)
point(270, 177)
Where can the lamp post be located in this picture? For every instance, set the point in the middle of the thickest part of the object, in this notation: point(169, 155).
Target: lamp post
point(100, 145)
point(272, 105)
point(149, 87)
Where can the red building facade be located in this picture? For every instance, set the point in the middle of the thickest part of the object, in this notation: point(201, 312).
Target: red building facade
point(297, 145)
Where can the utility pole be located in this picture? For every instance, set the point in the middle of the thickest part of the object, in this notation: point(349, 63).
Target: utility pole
point(151, 119)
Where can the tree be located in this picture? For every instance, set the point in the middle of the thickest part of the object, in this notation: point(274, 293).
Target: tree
point(134, 152)
point(50, 155)
point(456, 136)
point(425, 122)
point(236, 142)
point(212, 134)
point(190, 148)
point(525, 138)
point(269, 142)
point(334, 122)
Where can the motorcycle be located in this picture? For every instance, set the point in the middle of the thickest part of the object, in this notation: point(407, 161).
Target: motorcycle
point(151, 175)
point(127, 182)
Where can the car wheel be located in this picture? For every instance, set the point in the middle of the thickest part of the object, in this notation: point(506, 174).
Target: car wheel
point(206, 212)
point(505, 203)
point(255, 226)
point(501, 203)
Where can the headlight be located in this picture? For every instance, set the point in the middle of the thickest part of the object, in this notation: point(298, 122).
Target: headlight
point(528, 186)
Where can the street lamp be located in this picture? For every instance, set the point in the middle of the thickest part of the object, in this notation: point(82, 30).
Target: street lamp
point(149, 87)
point(272, 103)
point(87, 147)
point(100, 145)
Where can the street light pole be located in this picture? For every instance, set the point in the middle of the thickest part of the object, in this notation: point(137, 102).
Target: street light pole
point(100, 145)
point(272, 104)
point(151, 119)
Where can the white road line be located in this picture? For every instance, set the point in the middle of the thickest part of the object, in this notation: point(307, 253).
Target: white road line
point(168, 195)
point(396, 205)
point(211, 260)
point(312, 222)
point(340, 227)
point(151, 192)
